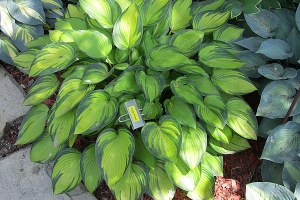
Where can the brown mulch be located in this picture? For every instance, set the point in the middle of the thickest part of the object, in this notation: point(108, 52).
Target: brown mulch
point(239, 169)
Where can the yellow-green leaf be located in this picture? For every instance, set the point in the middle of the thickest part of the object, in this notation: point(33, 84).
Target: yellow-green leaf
point(126, 82)
point(24, 59)
point(73, 23)
point(95, 73)
point(223, 135)
point(228, 33)
point(141, 153)
point(204, 84)
point(180, 15)
point(213, 161)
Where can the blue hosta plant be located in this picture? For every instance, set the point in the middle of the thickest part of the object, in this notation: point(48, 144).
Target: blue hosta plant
point(177, 60)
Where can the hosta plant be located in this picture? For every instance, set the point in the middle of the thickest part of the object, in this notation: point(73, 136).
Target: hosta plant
point(175, 59)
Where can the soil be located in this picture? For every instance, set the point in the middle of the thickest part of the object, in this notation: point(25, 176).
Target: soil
point(239, 169)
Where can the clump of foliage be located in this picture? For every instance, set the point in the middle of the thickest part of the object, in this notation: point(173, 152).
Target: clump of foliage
point(177, 59)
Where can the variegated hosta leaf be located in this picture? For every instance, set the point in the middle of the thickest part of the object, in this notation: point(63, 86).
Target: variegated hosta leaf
point(60, 128)
point(93, 43)
point(23, 61)
point(183, 177)
point(232, 81)
point(291, 174)
point(141, 153)
point(128, 29)
point(71, 92)
point(215, 56)
point(201, 6)
point(223, 135)
point(152, 110)
point(237, 144)
point(41, 89)
point(212, 111)
point(50, 4)
point(194, 68)
point(160, 186)
point(152, 12)
point(66, 173)
point(52, 58)
point(43, 150)
point(90, 171)
point(159, 58)
point(56, 13)
point(163, 139)
point(114, 151)
point(187, 41)
point(96, 110)
point(213, 161)
point(209, 21)
point(7, 49)
point(181, 111)
point(6, 20)
point(151, 83)
point(193, 145)
point(71, 24)
point(186, 90)
point(162, 28)
point(33, 124)
point(27, 12)
point(228, 33)
point(180, 15)
point(133, 183)
point(95, 73)
point(204, 84)
point(126, 82)
point(105, 12)
point(241, 118)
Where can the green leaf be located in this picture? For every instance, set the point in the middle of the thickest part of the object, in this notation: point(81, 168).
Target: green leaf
point(201, 6)
point(181, 111)
point(204, 84)
point(209, 21)
point(126, 82)
point(272, 172)
point(223, 135)
point(114, 151)
point(283, 143)
point(269, 4)
point(24, 59)
point(152, 110)
point(275, 71)
point(66, 171)
point(184, 89)
point(291, 174)
point(128, 29)
point(88, 118)
point(152, 12)
point(228, 33)
point(133, 183)
point(235, 7)
point(211, 160)
point(33, 124)
point(191, 69)
point(52, 58)
point(163, 139)
point(41, 89)
point(71, 24)
point(73, 11)
point(241, 118)
point(105, 12)
point(141, 152)
point(159, 58)
point(232, 81)
point(43, 150)
point(250, 6)
point(193, 145)
point(212, 111)
point(275, 49)
point(90, 172)
point(87, 40)
point(95, 73)
point(160, 186)
point(180, 15)
point(268, 191)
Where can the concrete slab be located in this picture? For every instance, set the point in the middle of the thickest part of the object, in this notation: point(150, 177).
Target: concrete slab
point(11, 99)
point(23, 179)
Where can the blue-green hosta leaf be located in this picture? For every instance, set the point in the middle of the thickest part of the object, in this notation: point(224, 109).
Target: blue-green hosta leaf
point(126, 82)
point(33, 124)
point(152, 12)
point(93, 43)
point(6, 20)
point(272, 172)
point(241, 118)
point(151, 83)
point(287, 22)
point(212, 111)
point(160, 186)
point(283, 143)
point(41, 89)
point(181, 111)
point(95, 73)
point(251, 43)
point(297, 190)
point(49, 4)
point(209, 21)
point(74, 11)
point(294, 41)
point(180, 15)
point(114, 151)
point(185, 89)
point(141, 153)
point(228, 33)
point(193, 145)
point(105, 12)
point(66, 171)
point(60, 128)
point(27, 11)
point(201, 6)
point(275, 71)
point(187, 41)
point(296, 81)
point(268, 191)
point(71, 24)
point(52, 58)
point(7, 49)
point(163, 139)
point(183, 177)
point(213, 161)
point(270, 4)
point(275, 49)
point(223, 135)
point(204, 84)
point(276, 99)
point(232, 81)
point(152, 110)
point(159, 58)
point(23, 60)
point(127, 32)
point(90, 171)
point(43, 150)
point(235, 8)
point(133, 183)
point(96, 110)
point(291, 174)
point(215, 56)
point(266, 125)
